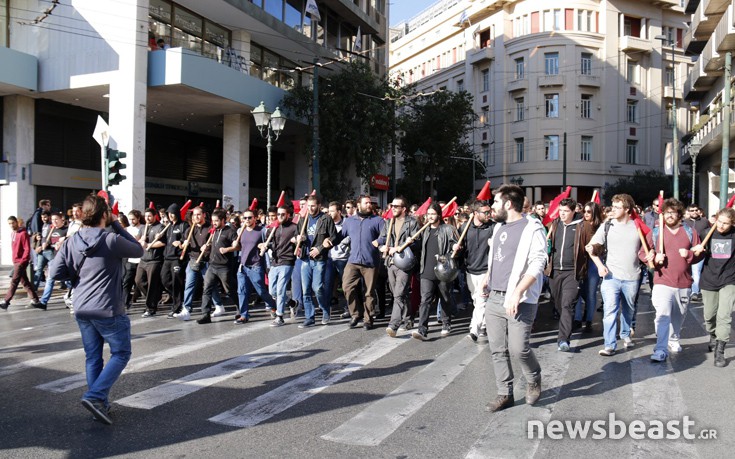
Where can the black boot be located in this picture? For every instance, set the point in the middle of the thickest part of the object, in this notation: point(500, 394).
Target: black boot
point(711, 345)
point(720, 354)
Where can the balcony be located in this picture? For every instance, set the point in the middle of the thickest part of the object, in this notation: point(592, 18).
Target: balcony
point(665, 4)
point(725, 31)
point(517, 85)
point(672, 93)
point(19, 72)
point(545, 81)
point(591, 81)
point(710, 133)
point(635, 44)
point(697, 81)
point(713, 62)
point(714, 7)
point(703, 25)
point(481, 56)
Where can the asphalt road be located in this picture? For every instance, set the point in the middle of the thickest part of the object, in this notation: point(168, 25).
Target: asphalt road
point(223, 390)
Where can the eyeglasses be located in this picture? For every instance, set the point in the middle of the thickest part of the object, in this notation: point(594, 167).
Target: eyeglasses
point(671, 212)
point(282, 215)
point(247, 218)
point(587, 211)
point(396, 206)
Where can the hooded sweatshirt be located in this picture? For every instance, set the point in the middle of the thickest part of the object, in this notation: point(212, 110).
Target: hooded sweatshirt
point(98, 291)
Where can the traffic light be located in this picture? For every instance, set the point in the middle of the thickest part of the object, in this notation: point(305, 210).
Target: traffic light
point(114, 166)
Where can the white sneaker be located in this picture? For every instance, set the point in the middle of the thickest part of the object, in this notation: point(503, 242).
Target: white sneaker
point(658, 356)
point(219, 311)
point(183, 315)
point(627, 342)
point(674, 347)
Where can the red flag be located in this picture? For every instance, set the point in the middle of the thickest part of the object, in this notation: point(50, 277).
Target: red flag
point(254, 204)
point(639, 223)
point(449, 210)
point(281, 199)
point(201, 204)
point(661, 201)
point(184, 209)
point(484, 194)
point(313, 192)
point(596, 199)
point(212, 229)
point(103, 194)
point(424, 207)
point(273, 224)
point(151, 205)
point(115, 209)
point(388, 214)
point(296, 208)
point(216, 205)
point(554, 206)
point(730, 202)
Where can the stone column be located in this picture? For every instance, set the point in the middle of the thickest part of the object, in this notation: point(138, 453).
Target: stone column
point(236, 159)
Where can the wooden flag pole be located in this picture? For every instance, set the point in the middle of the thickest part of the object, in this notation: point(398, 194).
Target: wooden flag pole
point(186, 244)
point(301, 234)
point(410, 240)
point(158, 235)
point(387, 237)
point(461, 238)
point(204, 249)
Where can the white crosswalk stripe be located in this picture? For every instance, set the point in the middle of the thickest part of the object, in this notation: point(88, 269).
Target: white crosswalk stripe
point(375, 423)
point(181, 387)
point(306, 386)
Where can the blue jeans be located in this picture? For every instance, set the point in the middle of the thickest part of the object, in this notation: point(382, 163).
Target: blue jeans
point(618, 295)
point(335, 270)
point(296, 291)
point(49, 288)
point(588, 294)
point(249, 277)
point(42, 259)
point(190, 285)
point(278, 278)
point(95, 332)
point(696, 274)
point(312, 277)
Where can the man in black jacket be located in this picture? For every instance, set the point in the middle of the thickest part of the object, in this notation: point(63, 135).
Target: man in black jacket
point(319, 237)
point(222, 249)
point(148, 275)
point(172, 269)
point(282, 260)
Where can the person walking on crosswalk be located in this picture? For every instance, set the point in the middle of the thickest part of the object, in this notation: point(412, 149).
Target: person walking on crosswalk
point(282, 259)
point(21, 251)
point(92, 260)
point(221, 249)
point(514, 279)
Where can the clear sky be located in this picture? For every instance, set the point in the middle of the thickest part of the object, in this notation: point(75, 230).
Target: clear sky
point(401, 10)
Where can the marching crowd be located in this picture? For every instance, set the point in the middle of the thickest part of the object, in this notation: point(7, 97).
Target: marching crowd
point(499, 251)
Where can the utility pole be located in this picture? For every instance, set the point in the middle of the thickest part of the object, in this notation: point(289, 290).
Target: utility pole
point(725, 159)
point(315, 132)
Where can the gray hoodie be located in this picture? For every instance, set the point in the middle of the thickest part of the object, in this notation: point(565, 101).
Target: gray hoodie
point(98, 291)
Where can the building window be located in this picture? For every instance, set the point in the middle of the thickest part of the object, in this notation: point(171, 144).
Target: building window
point(520, 111)
point(586, 64)
point(585, 107)
point(551, 147)
point(552, 63)
point(586, 150)
point(520, 150)
point(632, 111)
point(552, 105)
point(485, 117)
point(487, 157)
point(669, 77)
point(558, 21)
point(520, 68)
point(631, 152)
point(486, 80)
point(460, 85)
point(631, 75)
point(670, 117)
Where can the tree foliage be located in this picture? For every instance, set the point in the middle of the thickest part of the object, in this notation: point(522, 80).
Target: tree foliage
point(644, 186)
point(355, 126)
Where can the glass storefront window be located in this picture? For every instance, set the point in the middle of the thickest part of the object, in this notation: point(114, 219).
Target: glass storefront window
point(158, 9)
point(216, 39)
point(256, 60)
point(293, 14)
point(270, 68)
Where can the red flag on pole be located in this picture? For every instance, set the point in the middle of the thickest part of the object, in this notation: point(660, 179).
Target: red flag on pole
point(153, 206)
point(484, 194)
point(273, 224)
point(184, 209)
point(554, 206)
point(730, 202)
point(661, 201)
point(639, 223)
point(296, 208)
point(115, 209)
point(201, 204)
point(449, 210)
point(388, 214)
point(313, 192)
point(254, 204)
point(597, 199)
point(424, 207)
point(281, 199)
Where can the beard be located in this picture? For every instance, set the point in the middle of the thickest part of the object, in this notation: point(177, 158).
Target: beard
point(500, 216)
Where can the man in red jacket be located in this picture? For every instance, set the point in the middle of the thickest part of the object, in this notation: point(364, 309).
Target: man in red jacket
point(21, 248)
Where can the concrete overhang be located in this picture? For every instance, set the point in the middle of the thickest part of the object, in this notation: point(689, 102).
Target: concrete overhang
point(18, 72)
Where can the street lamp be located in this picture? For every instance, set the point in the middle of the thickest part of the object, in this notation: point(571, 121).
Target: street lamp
point(269, 125)
point(695, 146)
point(473, 168)
point(675, 146)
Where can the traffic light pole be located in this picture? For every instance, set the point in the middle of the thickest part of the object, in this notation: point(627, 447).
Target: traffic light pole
point(105, 168)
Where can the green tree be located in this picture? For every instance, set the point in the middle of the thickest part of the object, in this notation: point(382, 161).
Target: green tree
point(437, 127)
point(644, 186)
point(355, 126)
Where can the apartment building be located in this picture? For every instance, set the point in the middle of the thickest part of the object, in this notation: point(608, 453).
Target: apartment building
point(585, 81)
point(176, 81)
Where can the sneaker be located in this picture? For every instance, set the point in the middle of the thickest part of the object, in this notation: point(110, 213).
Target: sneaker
point(588, 327)
point(171, 315)
point(473, 337)
point(272, 313)
point(409, 324)
point(325, 320)
point(205, 319)
point(607, 352)
point(564, 346)
point(533, 392)
point(38, 305)
point(483, 334)
point(4, 305)
point(219, 311)
point(345, 315)
point(278, 322)
point(627, 342)
point(390, 332)
point(71, 309)
point(419, 336)
point(241, 320)
point(658, 356)
point(98, 410)
point(292, 310)
point(368, 326)
point(354, 322)
point(307, 324)
point(184, 315)
point(500, 403)
point(446, 329)
point(674, 347)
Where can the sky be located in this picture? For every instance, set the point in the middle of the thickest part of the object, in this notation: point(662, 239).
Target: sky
point(401, 10)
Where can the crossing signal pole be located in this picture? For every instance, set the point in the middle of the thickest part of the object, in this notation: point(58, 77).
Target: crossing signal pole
point(113, 168)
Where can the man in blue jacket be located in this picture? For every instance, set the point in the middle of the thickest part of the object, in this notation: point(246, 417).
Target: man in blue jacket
point(92, 260)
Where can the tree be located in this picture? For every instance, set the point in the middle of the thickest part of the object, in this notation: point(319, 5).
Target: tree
point(355, 126)
point(644, 185)
point(437, 127)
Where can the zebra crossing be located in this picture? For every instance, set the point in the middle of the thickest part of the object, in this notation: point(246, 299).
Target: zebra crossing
point(322, 359)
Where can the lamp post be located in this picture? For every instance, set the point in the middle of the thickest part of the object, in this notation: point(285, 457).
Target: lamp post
point(675, 144)
point(694, 148)
point(473, 169)
point(269, 125)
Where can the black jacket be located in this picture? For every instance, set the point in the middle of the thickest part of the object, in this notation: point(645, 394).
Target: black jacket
point(447, 237)
point(475, 248)
point(325, 229)
point(281, 245)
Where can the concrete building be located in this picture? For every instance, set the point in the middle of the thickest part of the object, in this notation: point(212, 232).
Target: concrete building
point(591, 72)
point(181, 109)
point(710, 38)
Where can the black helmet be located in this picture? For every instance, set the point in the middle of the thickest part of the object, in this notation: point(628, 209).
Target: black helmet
point(446, 268)
point(404, 260)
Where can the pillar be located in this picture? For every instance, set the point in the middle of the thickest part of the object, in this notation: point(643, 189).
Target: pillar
point(236, 159)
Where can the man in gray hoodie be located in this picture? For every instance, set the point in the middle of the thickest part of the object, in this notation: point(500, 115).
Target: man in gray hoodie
point(92, 261)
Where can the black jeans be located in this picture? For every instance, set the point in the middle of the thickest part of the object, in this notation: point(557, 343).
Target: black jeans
point(431, 290)
point(399, 282)
point(172, 276)
point(218, 274)
point(564, 292)
point(148, 280)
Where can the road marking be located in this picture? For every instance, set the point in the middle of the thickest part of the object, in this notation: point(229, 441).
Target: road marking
point(39, 362)
point(80, 380)
point(504, 435)
point(379, 420)
point(300, 389)
point(178, 388)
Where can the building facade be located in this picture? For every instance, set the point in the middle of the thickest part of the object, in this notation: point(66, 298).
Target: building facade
point(176, 82)
point(584, 86)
